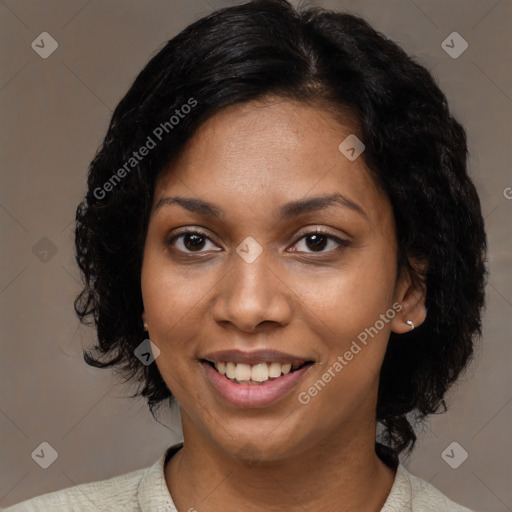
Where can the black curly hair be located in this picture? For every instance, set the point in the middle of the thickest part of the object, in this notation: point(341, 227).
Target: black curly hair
point(415, 149)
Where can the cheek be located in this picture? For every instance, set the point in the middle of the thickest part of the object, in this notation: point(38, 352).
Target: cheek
point(166, 305)
point(174, 303)
point(172, 294)
point(346, 321)
point(346, 302)
point(169, 307)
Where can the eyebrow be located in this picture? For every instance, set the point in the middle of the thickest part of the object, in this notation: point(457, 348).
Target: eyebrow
point(287, 211)
point(313, 204)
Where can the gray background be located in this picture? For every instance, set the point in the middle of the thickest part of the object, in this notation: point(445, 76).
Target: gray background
point(54, 114)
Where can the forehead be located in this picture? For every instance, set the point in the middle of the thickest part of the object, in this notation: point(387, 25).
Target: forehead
point(274, 150)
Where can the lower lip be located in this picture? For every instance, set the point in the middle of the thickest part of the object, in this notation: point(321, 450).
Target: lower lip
point(253, 395)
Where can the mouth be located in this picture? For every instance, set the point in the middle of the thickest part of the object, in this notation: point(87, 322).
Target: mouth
point(255, 374)
point(254, 379)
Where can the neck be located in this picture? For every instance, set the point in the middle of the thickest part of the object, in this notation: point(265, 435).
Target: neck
point(342, 473)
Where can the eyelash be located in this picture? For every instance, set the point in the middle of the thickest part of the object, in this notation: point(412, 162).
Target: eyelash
point(316, 231)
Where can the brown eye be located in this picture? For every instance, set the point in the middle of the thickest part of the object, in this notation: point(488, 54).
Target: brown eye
point(191, 241)
point(318, 241)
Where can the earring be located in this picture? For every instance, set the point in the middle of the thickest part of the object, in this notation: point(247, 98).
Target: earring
point(145, 326)
point(410, 324)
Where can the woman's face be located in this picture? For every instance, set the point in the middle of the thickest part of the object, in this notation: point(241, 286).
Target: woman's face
point(256, 277)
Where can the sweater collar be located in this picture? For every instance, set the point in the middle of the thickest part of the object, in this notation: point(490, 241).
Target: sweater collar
point(153, 494)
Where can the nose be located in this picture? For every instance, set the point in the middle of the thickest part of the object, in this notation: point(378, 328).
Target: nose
point(253, 297)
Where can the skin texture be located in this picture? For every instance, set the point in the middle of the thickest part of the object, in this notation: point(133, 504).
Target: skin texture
point(249, 160)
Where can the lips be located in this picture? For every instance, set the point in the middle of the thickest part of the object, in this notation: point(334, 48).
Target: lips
point(255, 357)
point(244, 379)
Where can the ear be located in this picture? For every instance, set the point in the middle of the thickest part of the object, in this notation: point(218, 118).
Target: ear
point(411, 293)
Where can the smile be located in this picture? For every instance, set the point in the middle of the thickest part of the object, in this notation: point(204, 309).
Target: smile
point(256, 374)
point(257, 385)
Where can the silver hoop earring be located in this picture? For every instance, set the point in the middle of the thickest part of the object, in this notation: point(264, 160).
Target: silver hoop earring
point(410, 324)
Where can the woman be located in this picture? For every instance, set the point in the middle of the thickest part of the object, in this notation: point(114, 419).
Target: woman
point(282, 206)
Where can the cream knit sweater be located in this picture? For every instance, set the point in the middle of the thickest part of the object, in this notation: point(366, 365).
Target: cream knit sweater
point(145, 490)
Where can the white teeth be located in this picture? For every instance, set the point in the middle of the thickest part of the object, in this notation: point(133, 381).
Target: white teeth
point(274, 370)
point(242, 372)
point(230, 370)
point(256, 373)
point(259, 372)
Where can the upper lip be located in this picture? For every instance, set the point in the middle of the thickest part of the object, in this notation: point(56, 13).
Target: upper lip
point(254, 357)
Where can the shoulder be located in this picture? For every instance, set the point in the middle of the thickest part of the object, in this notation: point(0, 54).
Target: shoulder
point(114, 494)
point(427, 497)
point(141, 489)
point(416, 495)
